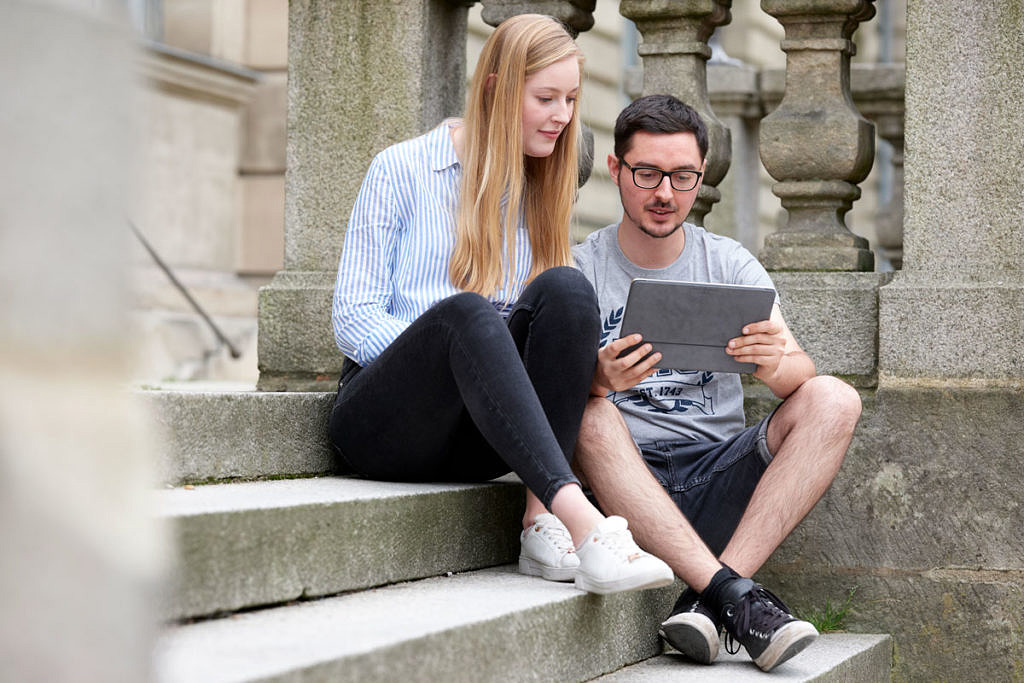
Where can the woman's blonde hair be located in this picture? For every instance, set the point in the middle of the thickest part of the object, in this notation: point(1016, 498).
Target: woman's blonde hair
point(495, 165)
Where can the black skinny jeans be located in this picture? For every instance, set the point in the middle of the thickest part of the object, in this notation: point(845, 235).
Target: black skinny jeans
point(463, 395)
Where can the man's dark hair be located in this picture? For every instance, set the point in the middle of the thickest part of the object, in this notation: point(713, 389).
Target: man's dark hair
point(658, 114)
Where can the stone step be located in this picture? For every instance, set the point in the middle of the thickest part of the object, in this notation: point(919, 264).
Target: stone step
point(839, 657)
point(488, 625)
point(247, 544)
point(211, 434)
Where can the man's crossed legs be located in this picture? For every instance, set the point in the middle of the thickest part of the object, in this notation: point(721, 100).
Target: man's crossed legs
point(805, 439)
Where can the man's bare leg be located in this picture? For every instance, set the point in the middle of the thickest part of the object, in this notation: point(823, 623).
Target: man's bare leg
point(607, 459)
point(808, 435)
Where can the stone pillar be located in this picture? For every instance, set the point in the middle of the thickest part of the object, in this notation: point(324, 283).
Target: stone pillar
point(80, 553)
point(926, 510)
point(815, 143)
point(359, 79)
point(956, 311)
point(675, 51)
point(577, 15)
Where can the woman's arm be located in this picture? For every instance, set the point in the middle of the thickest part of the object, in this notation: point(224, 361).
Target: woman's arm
point(363, 325)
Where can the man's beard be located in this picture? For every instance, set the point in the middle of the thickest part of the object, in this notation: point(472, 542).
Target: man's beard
point(646, 231)
point(671, 232)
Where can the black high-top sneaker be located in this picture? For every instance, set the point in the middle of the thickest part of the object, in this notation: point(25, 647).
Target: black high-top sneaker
point(692, 628)
point(759, 621)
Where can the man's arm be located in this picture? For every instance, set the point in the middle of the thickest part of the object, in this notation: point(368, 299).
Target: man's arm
point(782, 364)
point(618, 374)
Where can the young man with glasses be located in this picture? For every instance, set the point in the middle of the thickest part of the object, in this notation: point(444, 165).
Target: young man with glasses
point(668, 448)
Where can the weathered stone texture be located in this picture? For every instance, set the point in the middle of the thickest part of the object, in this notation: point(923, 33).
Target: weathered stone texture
point(260, 543)
point(816, 144)
point(955, 310)
point(924, 519)
point(965, 158)
point(358, 82)
point(240, 435)
point(296, 343)
point(834, 317)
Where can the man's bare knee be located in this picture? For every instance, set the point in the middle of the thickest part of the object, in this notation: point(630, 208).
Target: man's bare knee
point(836, 400)
point(826, 404)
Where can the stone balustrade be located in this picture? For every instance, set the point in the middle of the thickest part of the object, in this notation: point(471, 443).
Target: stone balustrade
point(373, 98)
point(675, 53)
point(816, 144)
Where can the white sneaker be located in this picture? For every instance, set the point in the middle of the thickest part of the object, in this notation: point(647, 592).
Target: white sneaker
point(547, 550)
point(611, 561)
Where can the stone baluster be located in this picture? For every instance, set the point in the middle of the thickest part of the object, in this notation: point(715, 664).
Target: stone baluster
point(878, 94)
point(577, 15)
point(361, 75)
point(675, 53)
point(816, 144)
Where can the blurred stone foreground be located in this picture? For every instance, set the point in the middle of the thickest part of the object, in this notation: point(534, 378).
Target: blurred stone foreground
point(79, 555)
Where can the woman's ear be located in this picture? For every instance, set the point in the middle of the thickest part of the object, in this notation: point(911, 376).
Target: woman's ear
point(489, 83)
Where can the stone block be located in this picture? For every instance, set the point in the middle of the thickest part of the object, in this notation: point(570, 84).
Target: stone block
point(241, 434)
point(261, 234)
point(297, 351)
point(964, 104)
point(260, 543)
point(935, 617)
point(915, 447)
point(81, 557)
point(263, 132)
point(834, 317)
point(924, 520)
point(942, 329)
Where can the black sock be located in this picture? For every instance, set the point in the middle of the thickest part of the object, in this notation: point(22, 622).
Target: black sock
point(712, 594)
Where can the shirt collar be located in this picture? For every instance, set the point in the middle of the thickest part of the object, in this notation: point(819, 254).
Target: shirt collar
point(442, 151)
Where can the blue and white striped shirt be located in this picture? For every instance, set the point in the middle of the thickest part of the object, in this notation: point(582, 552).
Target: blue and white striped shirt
point(398, 244)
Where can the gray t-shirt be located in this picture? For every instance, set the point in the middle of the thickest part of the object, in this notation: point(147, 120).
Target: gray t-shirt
point(672, 405)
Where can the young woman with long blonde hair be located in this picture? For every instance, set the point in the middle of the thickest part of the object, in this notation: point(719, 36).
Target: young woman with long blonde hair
point(471, 344)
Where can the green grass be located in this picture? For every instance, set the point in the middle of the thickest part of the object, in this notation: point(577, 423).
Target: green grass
point(830, 618)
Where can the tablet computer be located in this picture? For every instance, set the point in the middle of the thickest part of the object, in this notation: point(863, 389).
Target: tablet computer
point(691, 322)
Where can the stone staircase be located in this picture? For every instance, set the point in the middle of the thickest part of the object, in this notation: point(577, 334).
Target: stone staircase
point(283, 573)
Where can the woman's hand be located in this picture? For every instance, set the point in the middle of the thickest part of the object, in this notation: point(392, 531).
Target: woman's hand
point(618, 374)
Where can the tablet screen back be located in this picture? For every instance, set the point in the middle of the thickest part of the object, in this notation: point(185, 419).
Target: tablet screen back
point(690, 323)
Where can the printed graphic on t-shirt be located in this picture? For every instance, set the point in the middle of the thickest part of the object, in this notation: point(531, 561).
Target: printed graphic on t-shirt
point(666, 391)
point(671, 391)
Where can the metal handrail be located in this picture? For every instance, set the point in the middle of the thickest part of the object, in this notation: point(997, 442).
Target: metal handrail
point(235, 353)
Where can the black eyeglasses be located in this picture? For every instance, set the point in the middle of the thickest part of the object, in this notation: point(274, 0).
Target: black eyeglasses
point(647, 178)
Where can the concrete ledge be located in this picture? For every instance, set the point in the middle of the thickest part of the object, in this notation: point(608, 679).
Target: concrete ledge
point(240, 434)
point(840, 657)
point(258, 543)
point(492, 625)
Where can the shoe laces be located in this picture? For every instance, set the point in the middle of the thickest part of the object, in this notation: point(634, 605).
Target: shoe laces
point(759, 613)
point(557, 534)
point(621, 543)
